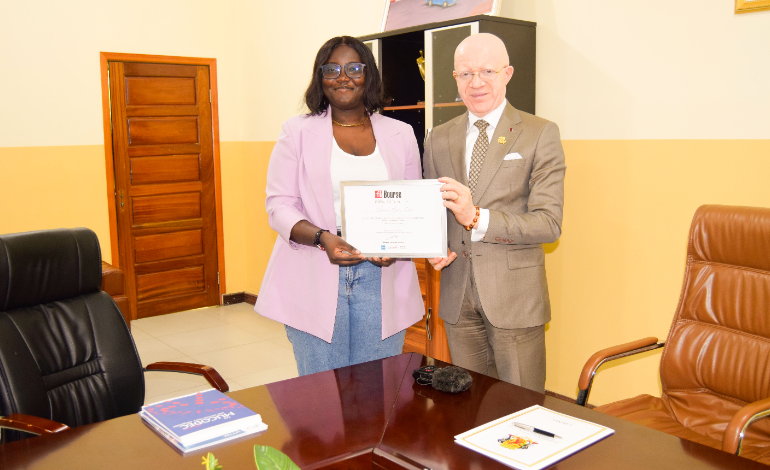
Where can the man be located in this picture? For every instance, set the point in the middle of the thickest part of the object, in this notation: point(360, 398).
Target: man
point(503, 171)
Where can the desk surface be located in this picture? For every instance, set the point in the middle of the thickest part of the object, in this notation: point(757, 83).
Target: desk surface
point(353, 416)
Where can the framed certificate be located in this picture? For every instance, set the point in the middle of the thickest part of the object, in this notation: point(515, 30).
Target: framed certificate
point(394, 219)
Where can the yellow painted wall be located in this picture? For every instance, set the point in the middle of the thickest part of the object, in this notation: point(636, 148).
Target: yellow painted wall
point(260, 237)
point(54, 187)
point(616, 273)
point(234, 215)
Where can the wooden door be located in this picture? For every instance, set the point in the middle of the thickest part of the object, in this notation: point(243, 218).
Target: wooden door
point(428, 336)
point(164, 179)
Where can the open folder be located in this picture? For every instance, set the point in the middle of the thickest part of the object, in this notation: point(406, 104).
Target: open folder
point(532, 438)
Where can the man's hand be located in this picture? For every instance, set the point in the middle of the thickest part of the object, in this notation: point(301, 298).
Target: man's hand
point(441, 263)
point(339, 251)
point(458, 199)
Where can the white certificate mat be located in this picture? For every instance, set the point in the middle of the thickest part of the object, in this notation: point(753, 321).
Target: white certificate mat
point(394, 219)
point(505, 442)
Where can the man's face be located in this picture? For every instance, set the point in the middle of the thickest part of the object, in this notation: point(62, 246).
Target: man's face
point(480, 95)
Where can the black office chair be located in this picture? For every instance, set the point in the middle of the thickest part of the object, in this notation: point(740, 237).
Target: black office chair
point(67, 357)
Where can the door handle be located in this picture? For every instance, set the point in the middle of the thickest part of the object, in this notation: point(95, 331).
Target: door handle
point(427, 323)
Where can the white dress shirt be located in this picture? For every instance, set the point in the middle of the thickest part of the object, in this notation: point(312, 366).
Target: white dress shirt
point(347, 167)
point(471, 134)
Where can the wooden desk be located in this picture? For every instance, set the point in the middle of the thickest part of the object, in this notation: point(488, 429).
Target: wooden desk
point(369, 416)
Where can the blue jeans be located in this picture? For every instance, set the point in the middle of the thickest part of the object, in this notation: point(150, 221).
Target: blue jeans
point(357, 333)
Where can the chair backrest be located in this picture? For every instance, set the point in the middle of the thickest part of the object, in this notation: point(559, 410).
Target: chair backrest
point(65, 351)
point(717, 356)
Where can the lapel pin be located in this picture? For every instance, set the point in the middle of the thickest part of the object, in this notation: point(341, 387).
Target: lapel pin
point(501, 140)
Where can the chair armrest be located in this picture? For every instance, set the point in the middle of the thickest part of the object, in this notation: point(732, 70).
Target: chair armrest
point(208, 372)
point(610, 354)
point(31, 424)
point(733, 438)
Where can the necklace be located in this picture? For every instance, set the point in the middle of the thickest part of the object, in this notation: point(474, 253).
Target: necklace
point(350, 125)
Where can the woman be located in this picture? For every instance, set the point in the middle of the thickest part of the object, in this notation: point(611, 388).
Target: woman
point(339, 308)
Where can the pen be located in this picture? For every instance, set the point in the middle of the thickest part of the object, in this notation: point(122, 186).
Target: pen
point(534, 429)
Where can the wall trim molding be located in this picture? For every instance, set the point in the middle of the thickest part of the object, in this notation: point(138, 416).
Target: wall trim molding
point(239, 297)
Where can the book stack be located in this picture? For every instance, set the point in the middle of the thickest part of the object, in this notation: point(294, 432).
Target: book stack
point(201, 419)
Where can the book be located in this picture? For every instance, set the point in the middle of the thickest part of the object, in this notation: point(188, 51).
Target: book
point(533, 438)
point(193, 421)
point(174, 441)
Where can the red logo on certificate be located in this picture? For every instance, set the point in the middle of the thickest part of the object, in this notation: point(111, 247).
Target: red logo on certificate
point(378, 194)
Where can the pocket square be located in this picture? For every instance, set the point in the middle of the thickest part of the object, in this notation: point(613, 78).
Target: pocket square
point(513, 156)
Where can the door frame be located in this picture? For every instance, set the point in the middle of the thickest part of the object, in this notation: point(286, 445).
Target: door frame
point(104, 58)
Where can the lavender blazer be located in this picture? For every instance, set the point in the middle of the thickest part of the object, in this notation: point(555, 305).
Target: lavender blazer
point(300, 284)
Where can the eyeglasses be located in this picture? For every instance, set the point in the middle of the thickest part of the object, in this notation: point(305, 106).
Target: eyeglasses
point(486, 74)
point(352, 70)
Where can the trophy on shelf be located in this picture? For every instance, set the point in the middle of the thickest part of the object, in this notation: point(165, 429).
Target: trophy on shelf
point(421, 65)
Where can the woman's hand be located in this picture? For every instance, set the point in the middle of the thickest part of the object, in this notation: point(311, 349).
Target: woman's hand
point(457, 198)
point(381, 262)
point(339, 251)
point(441, 263)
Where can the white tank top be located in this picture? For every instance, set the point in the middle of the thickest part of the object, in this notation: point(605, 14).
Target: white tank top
point(347, 167)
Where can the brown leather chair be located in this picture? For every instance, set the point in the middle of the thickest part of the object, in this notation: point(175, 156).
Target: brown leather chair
point(715, 368)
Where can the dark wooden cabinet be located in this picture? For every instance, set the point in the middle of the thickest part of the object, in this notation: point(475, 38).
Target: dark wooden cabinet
point(426, 103)
point(428, 336)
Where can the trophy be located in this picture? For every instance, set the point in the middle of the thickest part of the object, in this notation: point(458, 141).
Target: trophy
point(421, 65)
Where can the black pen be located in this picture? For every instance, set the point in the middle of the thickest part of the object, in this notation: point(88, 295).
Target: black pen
point(536, 430)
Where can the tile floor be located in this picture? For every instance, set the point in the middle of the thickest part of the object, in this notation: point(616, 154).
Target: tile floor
point(245, 348)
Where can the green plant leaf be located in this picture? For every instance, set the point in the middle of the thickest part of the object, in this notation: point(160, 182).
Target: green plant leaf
point(211, 462)
point(270, 458)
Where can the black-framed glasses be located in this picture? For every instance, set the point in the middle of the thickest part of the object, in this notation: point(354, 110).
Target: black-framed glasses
point(352, 70)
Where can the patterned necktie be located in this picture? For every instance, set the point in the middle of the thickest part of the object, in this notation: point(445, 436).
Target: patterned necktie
point(479, 150)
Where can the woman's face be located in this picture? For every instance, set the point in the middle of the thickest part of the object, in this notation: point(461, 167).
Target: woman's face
point(344, 92)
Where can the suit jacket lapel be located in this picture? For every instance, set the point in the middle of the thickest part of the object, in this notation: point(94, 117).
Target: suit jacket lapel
point(317, 158)
point(508, 128)
point(457, 149)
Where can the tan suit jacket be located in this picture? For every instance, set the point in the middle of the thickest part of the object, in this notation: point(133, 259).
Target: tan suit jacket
point(525, 198)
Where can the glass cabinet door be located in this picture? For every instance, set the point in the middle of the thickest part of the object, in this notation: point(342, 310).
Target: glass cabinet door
point(442, 101)
point(374, 45)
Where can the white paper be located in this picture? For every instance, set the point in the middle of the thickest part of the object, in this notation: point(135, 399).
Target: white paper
point(394, 219)
point(522, 449)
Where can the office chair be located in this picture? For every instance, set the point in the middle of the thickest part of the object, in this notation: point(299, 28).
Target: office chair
point(715, 368)
point(66, 355)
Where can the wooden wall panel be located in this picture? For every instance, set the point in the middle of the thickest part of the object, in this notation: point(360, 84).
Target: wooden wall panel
point(159, 91)
point(157, 69)
point(165, 169)
point(162, 208)
point(163, 130)
point(169, 283)
point(168, 245)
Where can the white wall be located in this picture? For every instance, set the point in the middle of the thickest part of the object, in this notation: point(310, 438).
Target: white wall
point(50, 60)
point(278, 58)
point(690, 69)
point(661, 69)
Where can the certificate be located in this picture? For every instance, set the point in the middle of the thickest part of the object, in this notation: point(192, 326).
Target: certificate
point(394, 219)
